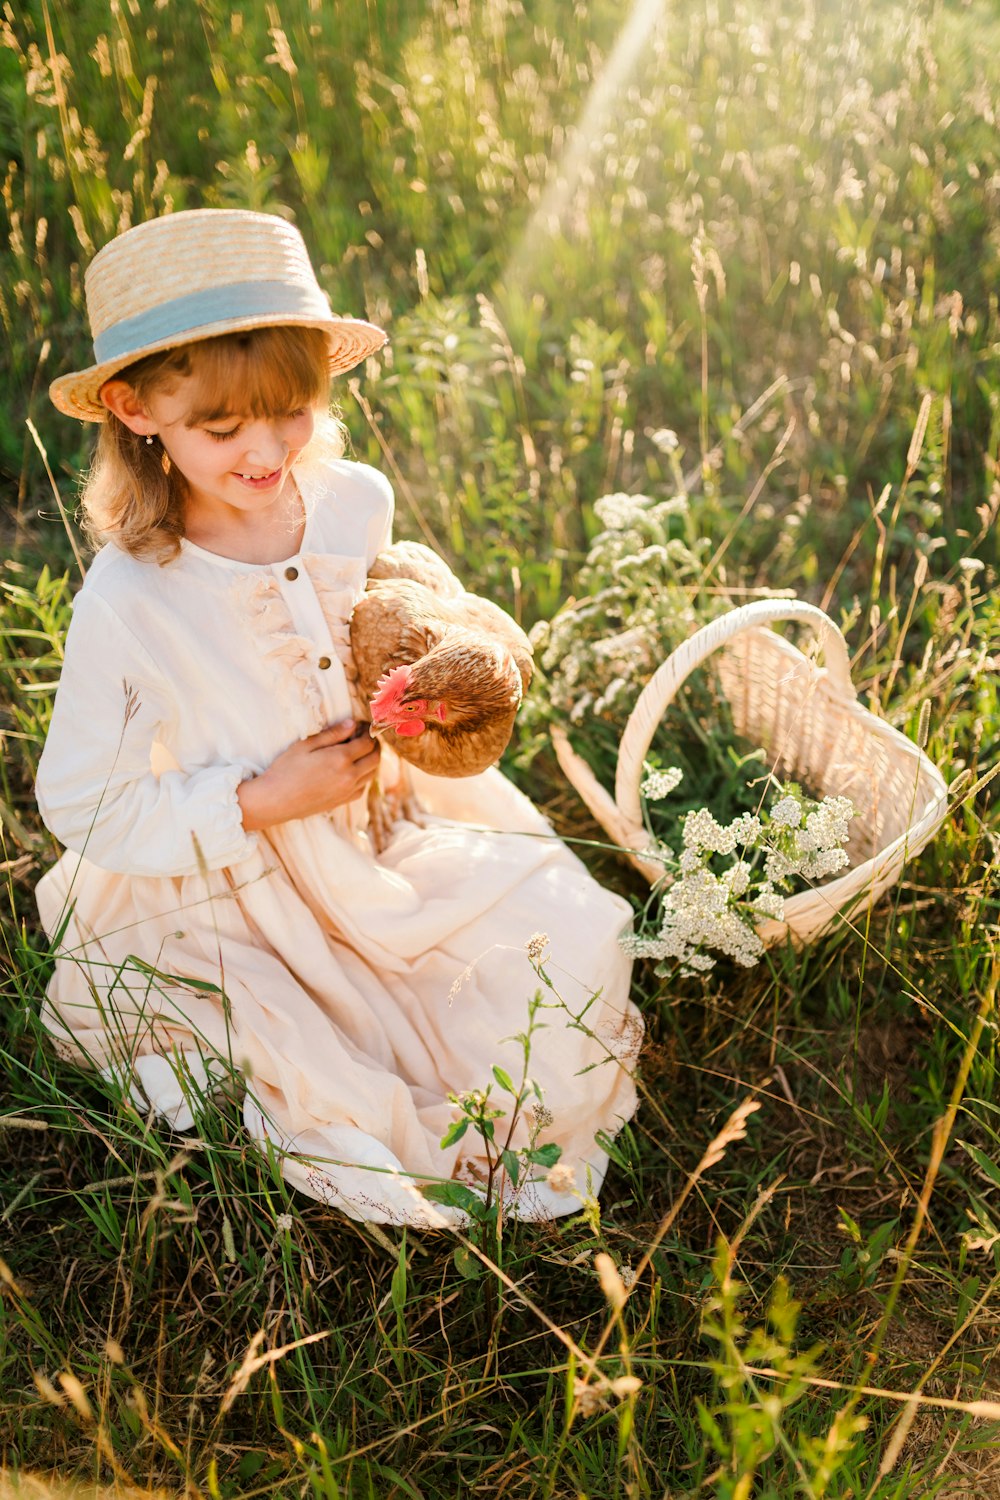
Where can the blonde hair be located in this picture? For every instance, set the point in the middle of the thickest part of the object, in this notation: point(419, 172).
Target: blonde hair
point(133, 496)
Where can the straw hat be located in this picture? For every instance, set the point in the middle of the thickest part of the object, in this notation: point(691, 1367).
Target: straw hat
point(195, 275)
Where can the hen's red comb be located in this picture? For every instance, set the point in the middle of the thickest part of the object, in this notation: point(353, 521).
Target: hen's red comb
point(388, 693)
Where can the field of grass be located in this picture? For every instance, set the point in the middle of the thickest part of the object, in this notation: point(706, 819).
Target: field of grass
point(585, 226)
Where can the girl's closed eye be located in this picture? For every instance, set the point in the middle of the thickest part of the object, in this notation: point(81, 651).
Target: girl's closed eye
point(231, 432)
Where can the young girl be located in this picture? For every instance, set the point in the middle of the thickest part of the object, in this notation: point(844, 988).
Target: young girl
point(220, 904)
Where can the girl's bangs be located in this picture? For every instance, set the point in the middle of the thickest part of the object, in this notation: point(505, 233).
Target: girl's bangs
point(265, 372)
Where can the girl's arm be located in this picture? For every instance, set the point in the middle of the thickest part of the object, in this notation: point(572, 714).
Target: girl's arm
point(95, 788)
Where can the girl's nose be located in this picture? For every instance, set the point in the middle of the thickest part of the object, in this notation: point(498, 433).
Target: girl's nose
point(267, 446)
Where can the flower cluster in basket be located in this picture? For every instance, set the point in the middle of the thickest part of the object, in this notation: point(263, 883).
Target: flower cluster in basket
point(745, 840)
point(705, 908)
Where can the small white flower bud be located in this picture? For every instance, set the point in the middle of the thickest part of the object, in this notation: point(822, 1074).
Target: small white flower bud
point(537, 946)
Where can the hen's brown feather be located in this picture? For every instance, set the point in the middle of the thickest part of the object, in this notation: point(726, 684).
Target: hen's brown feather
point(414, 560)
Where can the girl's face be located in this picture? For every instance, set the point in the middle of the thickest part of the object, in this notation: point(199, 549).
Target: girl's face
point(232, 464)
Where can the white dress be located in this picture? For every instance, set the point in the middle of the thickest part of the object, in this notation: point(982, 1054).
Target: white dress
point(354, 991)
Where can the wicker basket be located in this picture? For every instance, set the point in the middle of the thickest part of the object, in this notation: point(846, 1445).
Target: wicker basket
point(809, 722)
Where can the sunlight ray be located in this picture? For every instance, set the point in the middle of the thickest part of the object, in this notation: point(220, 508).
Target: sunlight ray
point(547, 220)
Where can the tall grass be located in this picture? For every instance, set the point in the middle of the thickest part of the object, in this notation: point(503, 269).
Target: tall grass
point(803, 201)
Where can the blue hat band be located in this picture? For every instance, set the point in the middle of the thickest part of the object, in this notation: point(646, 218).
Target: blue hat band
point(217, 304)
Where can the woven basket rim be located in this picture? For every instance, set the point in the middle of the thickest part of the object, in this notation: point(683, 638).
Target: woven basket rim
point(820, 907)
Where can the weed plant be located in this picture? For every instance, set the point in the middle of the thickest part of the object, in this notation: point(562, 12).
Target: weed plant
point(772, 234)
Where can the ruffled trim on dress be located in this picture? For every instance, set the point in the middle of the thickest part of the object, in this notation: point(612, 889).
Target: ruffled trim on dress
point(339, 583)
point(276, 638)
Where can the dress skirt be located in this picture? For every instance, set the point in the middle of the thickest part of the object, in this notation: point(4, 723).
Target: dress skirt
point(358, 992)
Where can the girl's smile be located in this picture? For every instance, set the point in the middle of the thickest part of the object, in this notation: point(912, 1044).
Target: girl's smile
point(261, 481)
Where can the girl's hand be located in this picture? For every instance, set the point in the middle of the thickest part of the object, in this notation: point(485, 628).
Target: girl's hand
point(317, 774)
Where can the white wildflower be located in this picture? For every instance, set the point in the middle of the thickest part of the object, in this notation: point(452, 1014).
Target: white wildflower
point(698, 963)
point(611, 693)
point(702, 832)
point(787, 812)
point(970, 565)
point(633, 562)
point(615, 512)
point(677, 505)
point(778, 866)
point(627, 1274)
point(283, 1223)
point(746, 830)
point(825, 827)
point(542, 1115)
point(536, 946)
point(659, 784)
point(661, 853)
point(768, 903)
point(665, 439)
point(842, 810)
point(697, 914)
point(634, 946)
point(570, 666)
point(811, 836)
point(826, 862)
point(623, 649)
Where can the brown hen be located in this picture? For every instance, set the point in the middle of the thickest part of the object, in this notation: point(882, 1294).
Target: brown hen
point(444, 671)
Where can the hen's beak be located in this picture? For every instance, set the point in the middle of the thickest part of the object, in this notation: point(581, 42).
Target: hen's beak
point(377, 730)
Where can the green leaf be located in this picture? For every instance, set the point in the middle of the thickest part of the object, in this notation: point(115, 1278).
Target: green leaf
point(711, 1429)
point(504, 1079)
point(851, 1227)
point(454, 1195)
point(251, 1463)
point(877, 1246)
point(152, 972)
point(882, 1109)
point(512, 1165)
point(982, 1161)
point(466, 1263)
point(545, 1156)
point(454, 1133)
point(398, 1287)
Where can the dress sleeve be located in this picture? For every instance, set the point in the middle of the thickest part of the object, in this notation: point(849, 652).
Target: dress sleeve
point(95, 788)
point(382, 503)
point(383, 522)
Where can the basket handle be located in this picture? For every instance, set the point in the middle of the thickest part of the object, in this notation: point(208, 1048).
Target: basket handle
point(662, 687)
